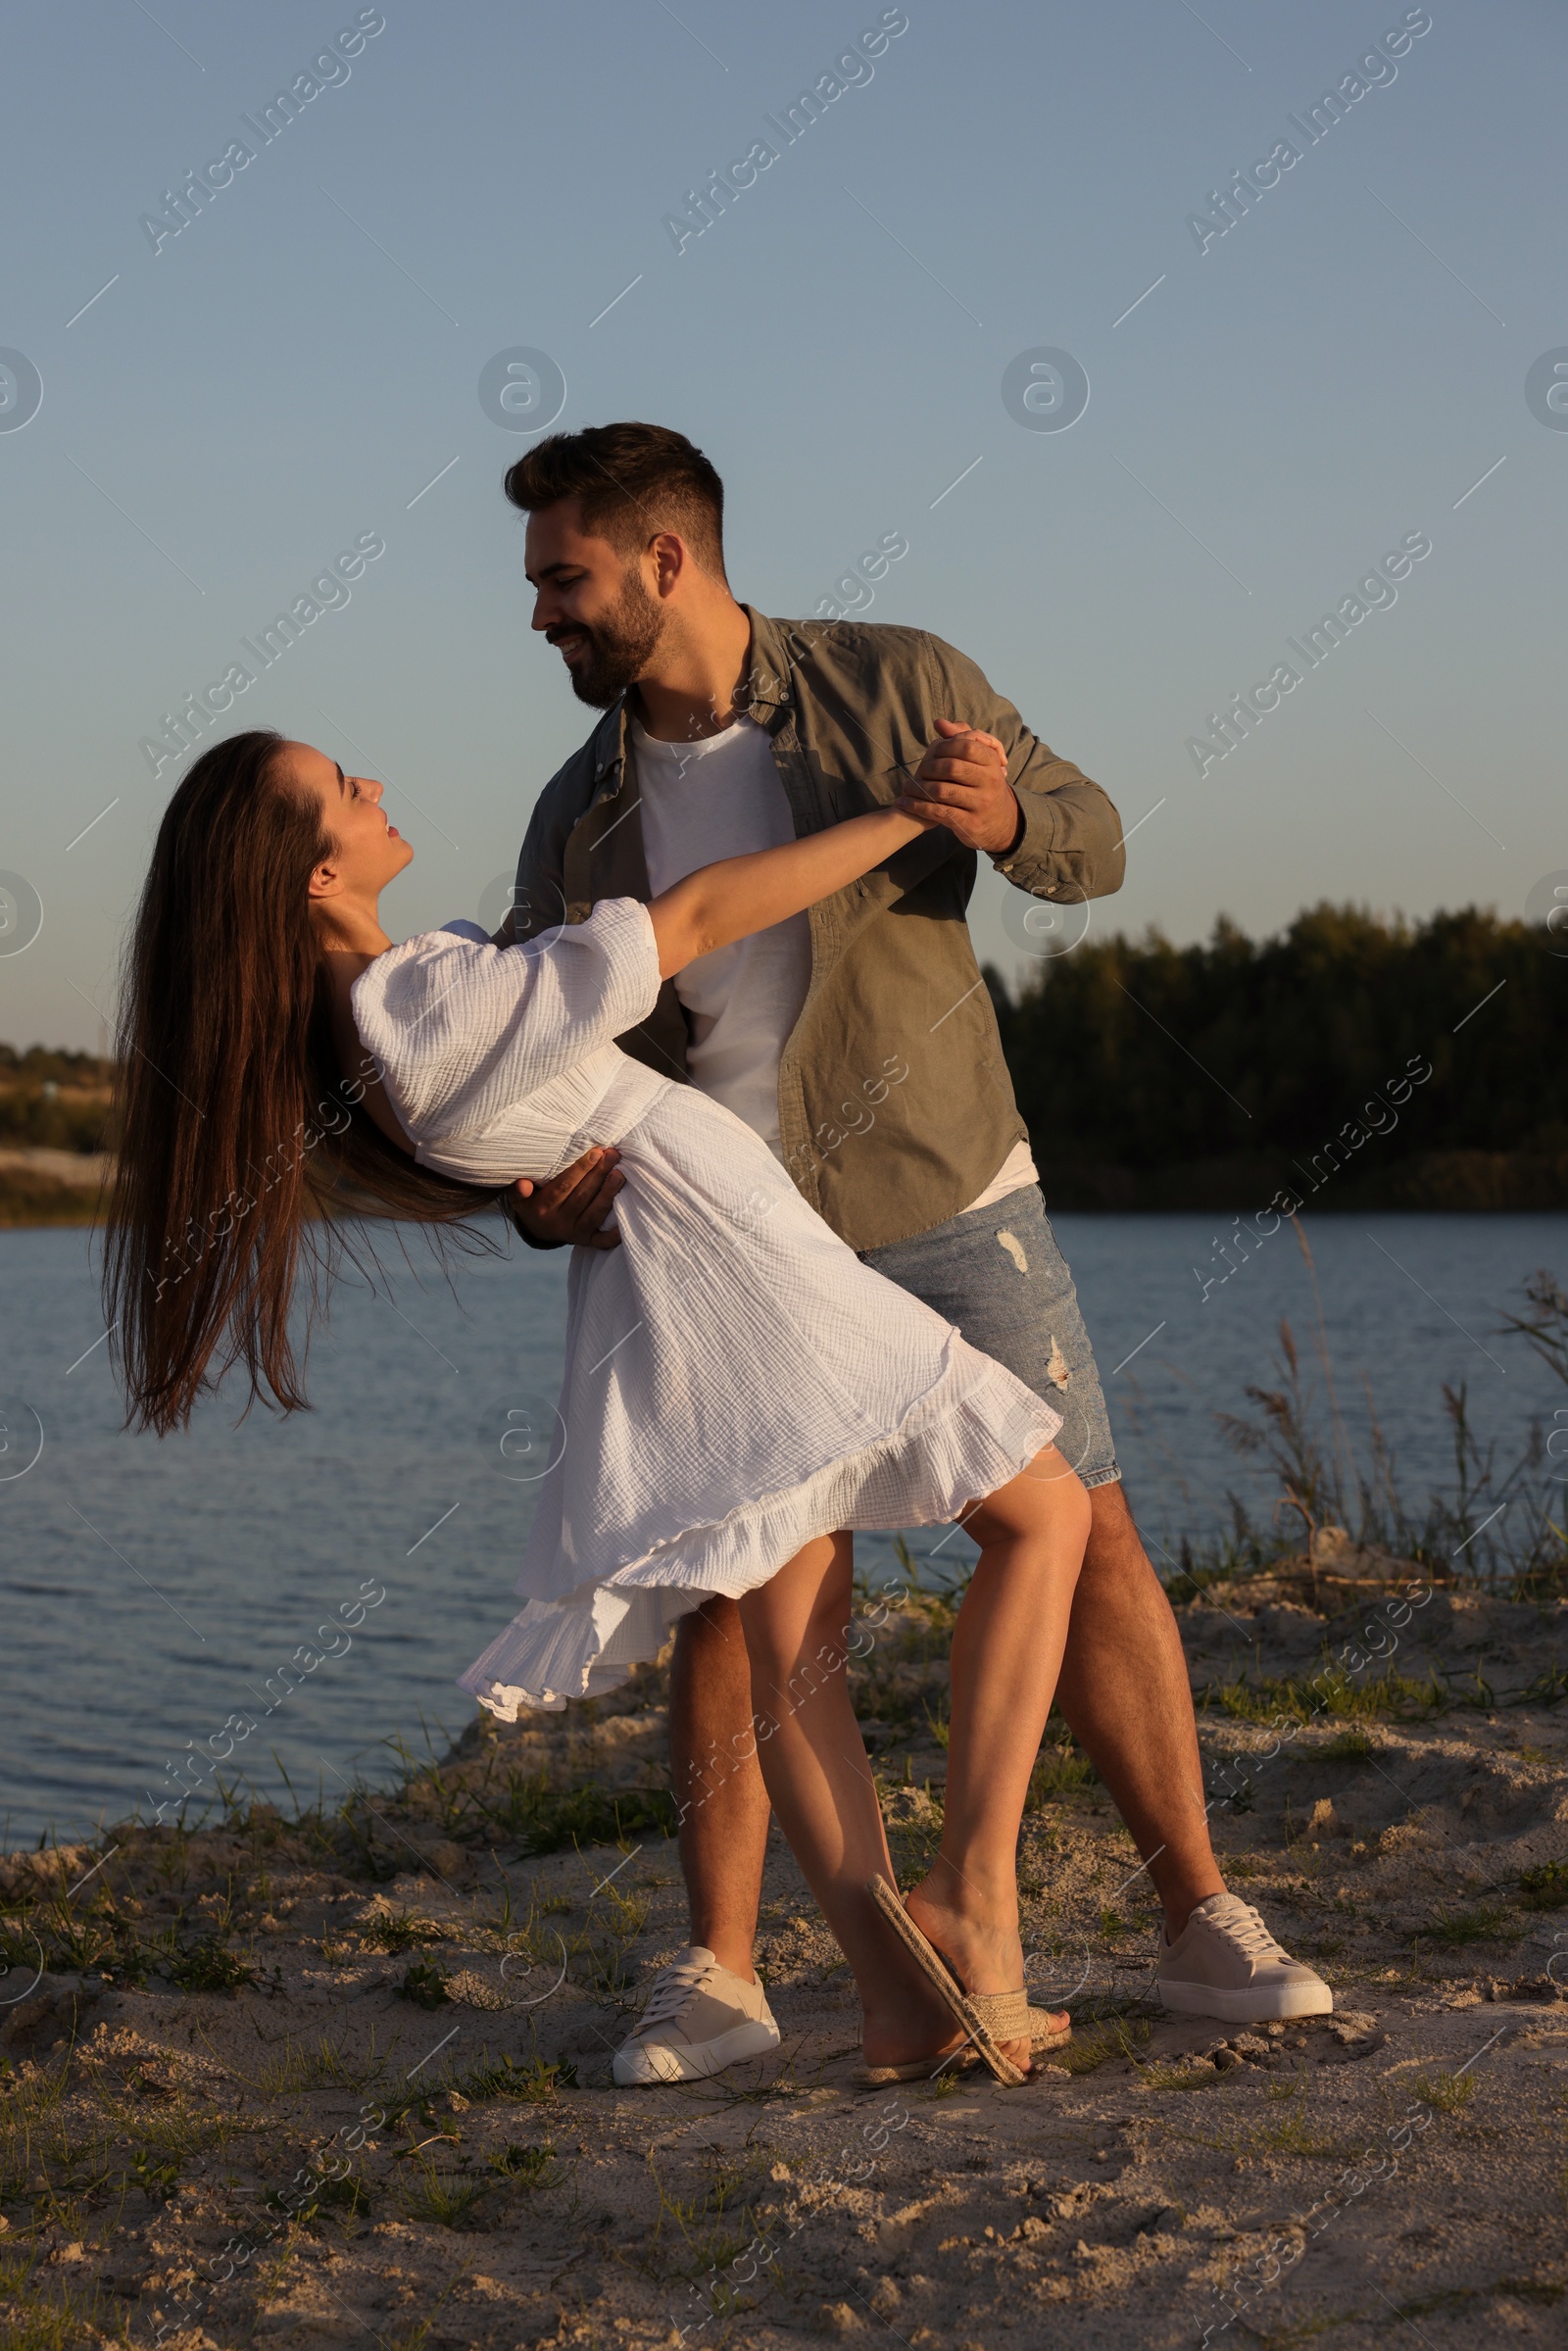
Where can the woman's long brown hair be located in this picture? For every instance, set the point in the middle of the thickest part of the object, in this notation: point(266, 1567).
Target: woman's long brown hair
point(242, 1145)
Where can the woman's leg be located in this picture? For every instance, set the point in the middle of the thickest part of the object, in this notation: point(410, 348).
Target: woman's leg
point(814, 1765)
point(1006, 1650)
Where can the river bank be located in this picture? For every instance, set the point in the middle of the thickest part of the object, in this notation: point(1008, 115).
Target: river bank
point(349, 2072)
point(41, 1187)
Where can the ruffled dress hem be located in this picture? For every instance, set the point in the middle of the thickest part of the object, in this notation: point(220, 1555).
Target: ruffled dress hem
point(949, 1451)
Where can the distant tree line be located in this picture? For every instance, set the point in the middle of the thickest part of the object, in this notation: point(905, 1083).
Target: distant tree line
point(56, 1098)
point(1350, 1062)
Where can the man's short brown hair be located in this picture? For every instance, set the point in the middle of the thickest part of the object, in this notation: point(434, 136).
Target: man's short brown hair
point(632, 481)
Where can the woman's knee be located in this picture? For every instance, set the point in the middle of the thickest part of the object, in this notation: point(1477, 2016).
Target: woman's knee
point(1047, 1502)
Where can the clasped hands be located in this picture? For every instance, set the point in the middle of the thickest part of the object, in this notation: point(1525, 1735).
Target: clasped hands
point(965, 775)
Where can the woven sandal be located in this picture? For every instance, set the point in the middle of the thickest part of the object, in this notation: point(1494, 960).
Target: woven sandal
point(975, 2012)
point(1041, 2025)
point(961, 2060)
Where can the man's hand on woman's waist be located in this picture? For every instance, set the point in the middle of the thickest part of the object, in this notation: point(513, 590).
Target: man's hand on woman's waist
point(571, 1208)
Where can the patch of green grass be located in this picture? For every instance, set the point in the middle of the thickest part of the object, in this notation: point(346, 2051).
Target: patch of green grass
point(604, 1967)
point(295, 2069)
point(72, 1945)
point(1547, 1688)
point(1293, 2135)
point(444, 2197)
point(349, 2197)
point(548, 1819)
point(329, 2194)
point(1354, 1746)
point(627, 1914)
point(424, 1983)
point(529, 2166)
point(402, 1930)
point(1545, 1886)
point(1180, 2076)
point(1446, 2093)
point(1332, 1692)
point(1119, 2037)
point(397, 2106)
point(415, 2337)
point(157, 2180)
point(344, 2199)
point(1482, 1923)
point(210, 1966)
point(1058, 1771)
point(533, 2084)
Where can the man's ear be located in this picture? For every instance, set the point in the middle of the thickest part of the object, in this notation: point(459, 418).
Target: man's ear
point(670, 558)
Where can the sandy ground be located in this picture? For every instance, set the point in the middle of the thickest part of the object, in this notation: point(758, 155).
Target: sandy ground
point(400, 2127)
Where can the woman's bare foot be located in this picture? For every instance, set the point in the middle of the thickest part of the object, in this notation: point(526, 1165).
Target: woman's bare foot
point(906, 2022)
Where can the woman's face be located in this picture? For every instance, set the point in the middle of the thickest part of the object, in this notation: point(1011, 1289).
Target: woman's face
point(369, 850)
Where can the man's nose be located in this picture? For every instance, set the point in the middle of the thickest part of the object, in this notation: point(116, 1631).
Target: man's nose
point(545, 613)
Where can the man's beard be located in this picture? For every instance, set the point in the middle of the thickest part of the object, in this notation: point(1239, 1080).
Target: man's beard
point(619, 646)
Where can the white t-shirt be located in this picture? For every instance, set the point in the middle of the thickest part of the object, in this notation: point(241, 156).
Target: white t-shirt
point(721, 798)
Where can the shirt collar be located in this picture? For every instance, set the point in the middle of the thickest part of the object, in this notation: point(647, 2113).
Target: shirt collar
point(765, 688)
point(762, 694)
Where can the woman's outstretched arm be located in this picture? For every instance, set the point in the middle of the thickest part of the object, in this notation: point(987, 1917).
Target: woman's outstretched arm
point(737, 896)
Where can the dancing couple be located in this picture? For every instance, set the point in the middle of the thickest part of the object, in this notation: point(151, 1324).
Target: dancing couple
point(731, 1044)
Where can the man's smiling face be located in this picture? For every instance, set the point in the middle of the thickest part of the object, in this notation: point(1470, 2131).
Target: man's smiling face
point(592, 602)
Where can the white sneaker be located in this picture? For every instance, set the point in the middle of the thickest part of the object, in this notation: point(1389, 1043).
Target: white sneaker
point(1225, 1963)
point(699, 2019)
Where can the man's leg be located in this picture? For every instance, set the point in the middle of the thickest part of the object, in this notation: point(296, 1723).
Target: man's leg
point(720, 1794)
point(998, 1274)
point(1124, 1689)
point(707, 2009)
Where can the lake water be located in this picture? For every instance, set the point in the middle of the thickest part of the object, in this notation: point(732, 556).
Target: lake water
point(151, 1589)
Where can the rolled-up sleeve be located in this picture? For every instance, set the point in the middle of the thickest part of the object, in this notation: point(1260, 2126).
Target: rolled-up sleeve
point(1071, 846)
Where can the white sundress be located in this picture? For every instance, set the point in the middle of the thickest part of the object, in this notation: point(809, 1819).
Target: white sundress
point(736, 1381)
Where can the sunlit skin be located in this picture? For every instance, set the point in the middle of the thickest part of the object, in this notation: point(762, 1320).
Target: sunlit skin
point(368, 852)
point(686, 682)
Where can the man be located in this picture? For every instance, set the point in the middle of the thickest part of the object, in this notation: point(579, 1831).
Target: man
point(860, 1043)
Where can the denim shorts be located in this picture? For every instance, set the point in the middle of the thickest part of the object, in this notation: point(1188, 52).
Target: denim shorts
point(997, 1273)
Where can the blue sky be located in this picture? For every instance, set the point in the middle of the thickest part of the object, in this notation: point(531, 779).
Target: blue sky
point(287, 374)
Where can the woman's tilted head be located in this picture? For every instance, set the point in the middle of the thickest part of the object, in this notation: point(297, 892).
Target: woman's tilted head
point(239, 1130)
point(364, 850)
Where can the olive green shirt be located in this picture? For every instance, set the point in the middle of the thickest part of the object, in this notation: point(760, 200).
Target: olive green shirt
point(894, 1104)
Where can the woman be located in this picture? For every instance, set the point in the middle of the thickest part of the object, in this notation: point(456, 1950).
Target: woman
point(738, 1387)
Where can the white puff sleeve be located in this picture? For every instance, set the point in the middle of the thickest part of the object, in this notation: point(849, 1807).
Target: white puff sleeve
point(460, 1030)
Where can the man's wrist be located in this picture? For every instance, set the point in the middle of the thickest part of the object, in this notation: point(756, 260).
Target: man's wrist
point(515, 1218)
point(1011, 846)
